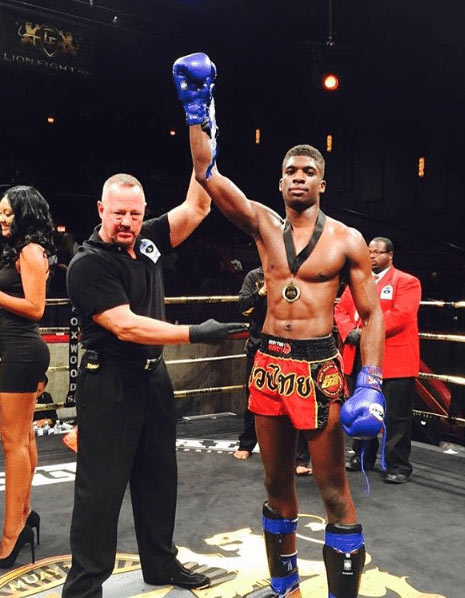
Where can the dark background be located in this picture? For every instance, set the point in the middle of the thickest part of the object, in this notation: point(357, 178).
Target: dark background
point(401, 96)
point(402, 92)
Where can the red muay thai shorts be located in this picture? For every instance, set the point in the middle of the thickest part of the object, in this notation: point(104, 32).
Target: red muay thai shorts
point(297, 378)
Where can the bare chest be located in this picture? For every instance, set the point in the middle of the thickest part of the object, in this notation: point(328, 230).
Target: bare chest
point(323, 264)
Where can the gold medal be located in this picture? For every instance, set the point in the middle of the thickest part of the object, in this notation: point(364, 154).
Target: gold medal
point(291, 292)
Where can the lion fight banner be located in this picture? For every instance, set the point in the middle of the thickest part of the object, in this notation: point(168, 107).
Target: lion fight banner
point(35, 40)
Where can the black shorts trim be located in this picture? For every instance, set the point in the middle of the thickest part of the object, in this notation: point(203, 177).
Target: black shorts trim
point(311, 349)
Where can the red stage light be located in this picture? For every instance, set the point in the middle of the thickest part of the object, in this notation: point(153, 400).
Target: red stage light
point(330, 82)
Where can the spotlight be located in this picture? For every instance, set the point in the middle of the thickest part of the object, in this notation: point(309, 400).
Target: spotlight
point(328, 76)
point(330, 81)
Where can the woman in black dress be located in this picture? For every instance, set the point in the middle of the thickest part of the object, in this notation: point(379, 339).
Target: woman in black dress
point(27, 230)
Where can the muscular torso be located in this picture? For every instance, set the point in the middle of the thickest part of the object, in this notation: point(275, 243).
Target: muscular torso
point(318, 278)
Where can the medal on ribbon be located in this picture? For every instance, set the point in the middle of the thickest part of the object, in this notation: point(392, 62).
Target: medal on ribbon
point(291, 291)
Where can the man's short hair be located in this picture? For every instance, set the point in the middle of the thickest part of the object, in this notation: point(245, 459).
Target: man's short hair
point(123, 180)
point(305, 150)
point(388, 244)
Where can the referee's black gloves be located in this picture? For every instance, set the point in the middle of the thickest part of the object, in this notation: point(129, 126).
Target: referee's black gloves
point(213, 332)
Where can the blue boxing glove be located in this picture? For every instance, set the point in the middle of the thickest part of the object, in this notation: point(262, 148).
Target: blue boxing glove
point(362, 415)
point(194, 77)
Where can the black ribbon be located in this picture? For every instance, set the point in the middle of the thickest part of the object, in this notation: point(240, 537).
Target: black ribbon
point(296, 261)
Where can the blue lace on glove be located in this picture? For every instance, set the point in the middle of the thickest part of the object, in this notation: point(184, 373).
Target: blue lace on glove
point(372, 377)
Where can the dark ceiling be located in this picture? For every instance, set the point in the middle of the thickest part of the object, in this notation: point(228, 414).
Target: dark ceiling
point(415, 47)
point(402, 65)
point(399, 61)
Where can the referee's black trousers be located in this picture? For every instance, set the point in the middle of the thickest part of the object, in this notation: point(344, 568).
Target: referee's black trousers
point(126, 433)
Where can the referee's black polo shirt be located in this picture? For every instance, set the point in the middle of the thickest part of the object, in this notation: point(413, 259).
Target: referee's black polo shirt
point(103, 275)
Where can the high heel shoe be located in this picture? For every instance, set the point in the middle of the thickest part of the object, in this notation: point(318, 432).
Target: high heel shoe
point(34, 521)
point(25, 537)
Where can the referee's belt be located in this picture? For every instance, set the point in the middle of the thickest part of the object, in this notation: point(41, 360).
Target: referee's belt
point(91, 360)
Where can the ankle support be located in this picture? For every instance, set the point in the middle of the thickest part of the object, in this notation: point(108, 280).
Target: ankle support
point(283, 567)
point(344, 557)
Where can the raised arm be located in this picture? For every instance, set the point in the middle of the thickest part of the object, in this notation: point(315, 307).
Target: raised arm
point(194, 77)
point(363, 289)
point(185, 218)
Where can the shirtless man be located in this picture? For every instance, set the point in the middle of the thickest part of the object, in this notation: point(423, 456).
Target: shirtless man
point(296, 382)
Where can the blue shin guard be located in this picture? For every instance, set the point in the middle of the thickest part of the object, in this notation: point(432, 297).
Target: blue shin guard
point(344, 557)
point(283, 567)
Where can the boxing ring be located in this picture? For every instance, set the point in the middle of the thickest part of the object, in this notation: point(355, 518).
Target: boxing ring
point(413, 536)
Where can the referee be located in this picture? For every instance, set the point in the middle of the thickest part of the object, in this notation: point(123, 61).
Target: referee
point(125, 403)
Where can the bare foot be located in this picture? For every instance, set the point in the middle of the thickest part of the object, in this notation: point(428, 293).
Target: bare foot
point(303, 470)
point(242, 454)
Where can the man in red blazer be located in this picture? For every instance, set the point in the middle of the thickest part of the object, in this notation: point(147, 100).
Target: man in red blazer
point(399, 295)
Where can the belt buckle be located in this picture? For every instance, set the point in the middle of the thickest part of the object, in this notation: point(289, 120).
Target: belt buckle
point(150, 364)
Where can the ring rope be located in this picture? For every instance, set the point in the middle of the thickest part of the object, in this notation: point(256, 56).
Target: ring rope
point(454, 304)
point(197, 359)
point(180, 394)
point(58, 368)
point(171, 300)
point(59, 331)
point(235, 299)
point(443, 377)
point(51, 406)
point(212, 299)
point(427, 376)
point(454, 338)
point(427, 415)
point(65, 368)
point(58, 301)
